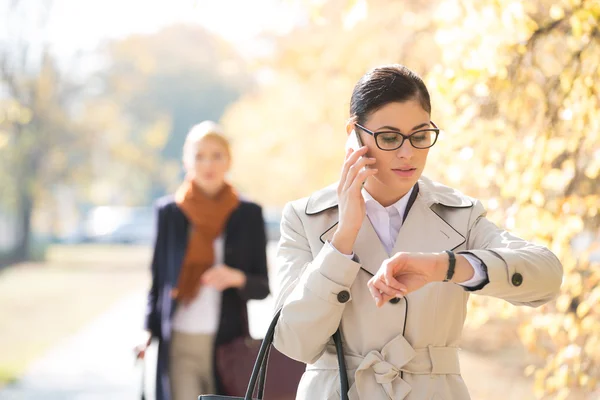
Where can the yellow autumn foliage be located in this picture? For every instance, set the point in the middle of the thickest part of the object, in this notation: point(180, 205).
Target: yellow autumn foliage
point(515, 86)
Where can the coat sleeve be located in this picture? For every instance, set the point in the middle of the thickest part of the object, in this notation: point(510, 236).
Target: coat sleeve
point(309, 288)
point(257, 278)
point(518, 271)
point(152, 319)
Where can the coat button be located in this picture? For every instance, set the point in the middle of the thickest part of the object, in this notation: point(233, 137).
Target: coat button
point(517, 279)
point(343, 296)
point(395, 300)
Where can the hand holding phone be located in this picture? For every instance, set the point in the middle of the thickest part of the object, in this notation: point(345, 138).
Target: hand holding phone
point(355, 143)
point(350, 201)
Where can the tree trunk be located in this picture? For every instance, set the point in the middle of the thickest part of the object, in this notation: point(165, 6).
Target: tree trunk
point(22, 251)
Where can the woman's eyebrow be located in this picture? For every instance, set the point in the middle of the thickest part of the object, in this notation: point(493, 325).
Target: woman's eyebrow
point(392, 128)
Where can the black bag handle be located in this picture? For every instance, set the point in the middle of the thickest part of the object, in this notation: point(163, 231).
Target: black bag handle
point(259, 372)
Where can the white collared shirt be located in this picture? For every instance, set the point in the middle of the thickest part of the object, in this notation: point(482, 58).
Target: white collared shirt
point(387, 222)
point(202, 315)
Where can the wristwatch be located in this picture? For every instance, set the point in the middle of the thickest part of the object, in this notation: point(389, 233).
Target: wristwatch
point(451, 265)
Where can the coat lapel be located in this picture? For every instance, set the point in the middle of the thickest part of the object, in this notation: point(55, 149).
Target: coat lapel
point(368, 248)
point(425, 231)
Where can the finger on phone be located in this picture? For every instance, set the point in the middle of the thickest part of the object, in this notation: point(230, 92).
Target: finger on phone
point(345, 168)
point(358, 182)
point(355, 155)
point(355, 169)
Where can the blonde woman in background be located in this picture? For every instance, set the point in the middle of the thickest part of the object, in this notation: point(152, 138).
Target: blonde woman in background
point(209, 260)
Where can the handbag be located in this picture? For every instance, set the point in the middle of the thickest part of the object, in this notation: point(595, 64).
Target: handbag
point(235, 360)
point(258, 376)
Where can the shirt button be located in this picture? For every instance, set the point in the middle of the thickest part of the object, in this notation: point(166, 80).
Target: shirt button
point(343, 296)
point(517, 279)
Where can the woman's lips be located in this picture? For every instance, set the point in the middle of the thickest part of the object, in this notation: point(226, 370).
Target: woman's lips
point(404, 172)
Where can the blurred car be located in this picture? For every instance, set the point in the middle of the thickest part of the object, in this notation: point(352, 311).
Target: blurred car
point(272, 222)
point(137, 225)
point(131, 232)
point(125, 225)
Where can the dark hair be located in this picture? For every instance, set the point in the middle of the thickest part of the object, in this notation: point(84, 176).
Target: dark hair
point(387, 84)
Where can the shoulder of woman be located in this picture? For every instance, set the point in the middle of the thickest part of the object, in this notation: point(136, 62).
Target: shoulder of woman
point(321, 200)
point(165, 203)
point(249, 210)
point(436, 193)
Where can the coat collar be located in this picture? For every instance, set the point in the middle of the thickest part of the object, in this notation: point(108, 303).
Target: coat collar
point(424, 230)
point(430, 193)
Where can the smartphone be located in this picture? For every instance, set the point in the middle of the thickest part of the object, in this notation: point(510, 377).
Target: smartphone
point(354, 142)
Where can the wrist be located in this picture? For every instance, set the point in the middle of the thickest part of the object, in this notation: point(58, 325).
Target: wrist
point(343, 242)
point(464, 270)
point(441, 267)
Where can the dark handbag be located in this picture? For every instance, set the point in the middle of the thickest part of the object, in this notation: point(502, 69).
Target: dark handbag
point(234, 365)
point(260, 369)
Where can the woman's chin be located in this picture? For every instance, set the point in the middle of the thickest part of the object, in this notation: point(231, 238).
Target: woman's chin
point(400, 184)
point(209, 185)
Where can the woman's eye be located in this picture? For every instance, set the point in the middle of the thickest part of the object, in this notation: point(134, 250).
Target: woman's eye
point(419, 138)
point(389, 137)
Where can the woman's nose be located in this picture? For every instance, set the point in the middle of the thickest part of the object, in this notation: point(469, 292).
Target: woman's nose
point(406, 150)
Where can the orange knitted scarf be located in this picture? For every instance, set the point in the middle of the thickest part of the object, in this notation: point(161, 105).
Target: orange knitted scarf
point(208, 216)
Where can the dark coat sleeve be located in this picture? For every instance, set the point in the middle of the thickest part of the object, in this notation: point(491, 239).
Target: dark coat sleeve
point(152, 320)
point(257, 280)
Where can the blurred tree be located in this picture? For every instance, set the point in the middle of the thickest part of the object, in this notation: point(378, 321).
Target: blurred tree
point(104, 138)
point(525, 75)
point(515, 85)
point(163, 84)
point(293, 127)
point(37, 131)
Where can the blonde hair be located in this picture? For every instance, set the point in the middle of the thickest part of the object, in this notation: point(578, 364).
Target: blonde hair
point(199, 132)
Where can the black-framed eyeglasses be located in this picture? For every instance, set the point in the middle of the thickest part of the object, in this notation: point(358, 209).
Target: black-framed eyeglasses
point(393, 140)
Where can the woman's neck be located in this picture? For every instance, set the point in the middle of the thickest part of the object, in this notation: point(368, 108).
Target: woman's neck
point(211, 191)
point(383, 194)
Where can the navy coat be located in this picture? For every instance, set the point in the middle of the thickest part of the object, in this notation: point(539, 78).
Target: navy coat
point(245, 249)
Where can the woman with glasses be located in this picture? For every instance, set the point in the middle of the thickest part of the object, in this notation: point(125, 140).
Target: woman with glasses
point(390, 258)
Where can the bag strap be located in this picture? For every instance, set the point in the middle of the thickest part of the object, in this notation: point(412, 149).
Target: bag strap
point(345, 387)
point(259, 372)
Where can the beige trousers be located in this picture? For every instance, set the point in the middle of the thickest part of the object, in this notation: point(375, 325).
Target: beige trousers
point(191, 366)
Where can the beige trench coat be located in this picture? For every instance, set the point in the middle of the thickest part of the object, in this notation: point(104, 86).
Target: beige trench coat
point(407, 350)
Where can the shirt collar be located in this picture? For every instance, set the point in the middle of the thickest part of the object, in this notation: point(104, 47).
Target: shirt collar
point(430, 193)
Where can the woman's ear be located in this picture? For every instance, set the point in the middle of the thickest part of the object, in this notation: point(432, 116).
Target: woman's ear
point(350, 126)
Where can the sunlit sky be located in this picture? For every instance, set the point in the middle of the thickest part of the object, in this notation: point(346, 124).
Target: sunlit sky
point(77, 24)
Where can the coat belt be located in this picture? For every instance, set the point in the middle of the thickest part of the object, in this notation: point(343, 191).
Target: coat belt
point(379, 371)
